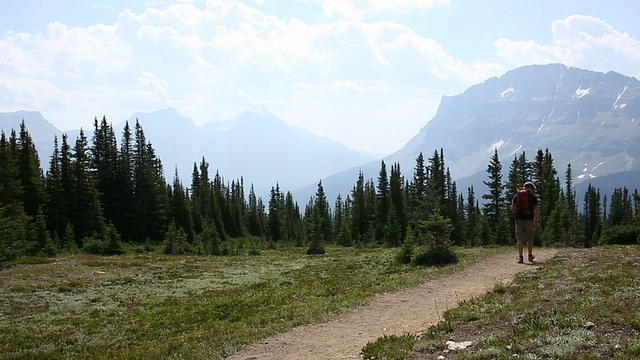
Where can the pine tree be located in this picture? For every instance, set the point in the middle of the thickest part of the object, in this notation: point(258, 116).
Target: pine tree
point(359, 219)
point(398, 195)
point(86, 210)
point(494, 207)
point(592, 216)
point(436, 184)
point(14, 223)
point(179, 210)
point(256, 225)
point(382, 205)
point(30, 174)
point(104, 159)
point(472, 216)
point(323, 213)
point(417, 195)
point(126, 219)
point(275, 223)
point(293, 220)
point(150, 195)
point(55, 211)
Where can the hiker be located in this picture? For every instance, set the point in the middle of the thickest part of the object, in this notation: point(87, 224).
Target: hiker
point(527, 213)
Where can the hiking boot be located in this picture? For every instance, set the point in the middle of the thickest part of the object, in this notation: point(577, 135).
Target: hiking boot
point(520, 260)
point(531, 257)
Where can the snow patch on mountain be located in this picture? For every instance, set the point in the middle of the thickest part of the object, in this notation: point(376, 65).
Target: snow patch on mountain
point(507, 92)
point(580, 92)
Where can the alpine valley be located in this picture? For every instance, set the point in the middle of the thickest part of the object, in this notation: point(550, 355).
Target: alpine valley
point(588, 119)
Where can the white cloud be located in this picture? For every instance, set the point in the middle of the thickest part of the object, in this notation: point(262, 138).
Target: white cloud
point(361, 8)
point(580, 41)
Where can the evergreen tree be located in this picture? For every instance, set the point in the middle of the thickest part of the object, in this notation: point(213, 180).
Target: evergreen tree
point(30, 174)
point(55, 210)
point(293, 220)
point(546, 179)
point(436, 195)
point(150, 195)
point(256, 224)
point(494, 207)
point(383, 202)
point(314, 231)
point(323, 213)
point(472, 216)
point(104, 159)
point(275, 223)
point(179, 210)
point(592, 216)
point(370, 197)
point(86, 210)
point(342, 222)
point(398, 195)
point(14, 223)
point(358, 214)
point(126, 219)
point(417, 203)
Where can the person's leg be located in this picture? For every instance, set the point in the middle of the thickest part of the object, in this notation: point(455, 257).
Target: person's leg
point(531, 235)
point(520, 237)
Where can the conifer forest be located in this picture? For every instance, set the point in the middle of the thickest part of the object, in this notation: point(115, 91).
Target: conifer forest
point(107, 197)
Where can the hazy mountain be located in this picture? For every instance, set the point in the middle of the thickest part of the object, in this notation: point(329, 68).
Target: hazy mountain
point(586, 118)
point(254, 145)
point(42, 132)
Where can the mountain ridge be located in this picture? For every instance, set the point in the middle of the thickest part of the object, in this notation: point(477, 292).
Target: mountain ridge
point(586, 118)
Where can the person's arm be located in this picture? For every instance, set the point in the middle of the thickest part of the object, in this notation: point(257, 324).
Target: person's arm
point(513, 205)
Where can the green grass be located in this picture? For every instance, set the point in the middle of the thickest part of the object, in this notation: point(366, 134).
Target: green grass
point(585, 304)
point(152, 306)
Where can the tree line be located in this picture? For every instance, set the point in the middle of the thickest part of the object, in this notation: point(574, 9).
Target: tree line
point(102, 196)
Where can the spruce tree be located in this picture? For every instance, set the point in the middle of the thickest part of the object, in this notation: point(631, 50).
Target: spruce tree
point(30, 174)
point(382, 203)
point(592, 216)
point(256, 225)
point(398, 195)
point(275, 222)
point(417, 195)
point(494, 207)
point(358, 213)
point(86, 210)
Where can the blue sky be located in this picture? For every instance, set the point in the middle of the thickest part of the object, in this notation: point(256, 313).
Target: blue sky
point(367, 73)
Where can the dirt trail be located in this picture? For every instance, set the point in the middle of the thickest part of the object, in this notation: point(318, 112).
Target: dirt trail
point(409, 311)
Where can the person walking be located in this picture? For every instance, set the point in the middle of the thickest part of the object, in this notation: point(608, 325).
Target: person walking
point(525, 208)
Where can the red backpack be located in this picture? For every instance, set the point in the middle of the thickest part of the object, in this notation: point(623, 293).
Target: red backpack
point(523, 201)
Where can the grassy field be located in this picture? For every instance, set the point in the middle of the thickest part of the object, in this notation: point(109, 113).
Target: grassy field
point(152, 306)
point(585, 304)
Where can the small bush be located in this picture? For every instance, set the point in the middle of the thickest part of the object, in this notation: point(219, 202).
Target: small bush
point(389, 347)
point(620, 235)
point(435, 257)
point(403, 256)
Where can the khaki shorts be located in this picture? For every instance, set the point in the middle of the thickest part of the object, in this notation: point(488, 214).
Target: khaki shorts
point(525, 231)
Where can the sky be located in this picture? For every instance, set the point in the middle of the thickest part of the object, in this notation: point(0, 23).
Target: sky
point(367, 73)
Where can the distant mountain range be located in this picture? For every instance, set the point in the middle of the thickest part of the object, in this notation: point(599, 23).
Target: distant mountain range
point(586, 118)
point(589, 119)
point(255, 145)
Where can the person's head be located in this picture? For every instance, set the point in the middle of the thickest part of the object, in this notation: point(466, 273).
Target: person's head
point(529, 186)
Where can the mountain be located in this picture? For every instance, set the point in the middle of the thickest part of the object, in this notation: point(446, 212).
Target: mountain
point(254, 145)
point(42, 132)
point(586, 118)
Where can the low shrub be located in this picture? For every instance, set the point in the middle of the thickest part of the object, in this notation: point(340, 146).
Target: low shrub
point(389, 347)
point(435, 257)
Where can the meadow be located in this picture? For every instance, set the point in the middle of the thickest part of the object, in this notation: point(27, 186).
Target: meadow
point(151, 306)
